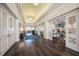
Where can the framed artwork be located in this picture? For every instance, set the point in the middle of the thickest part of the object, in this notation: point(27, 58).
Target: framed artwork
point(72, 20)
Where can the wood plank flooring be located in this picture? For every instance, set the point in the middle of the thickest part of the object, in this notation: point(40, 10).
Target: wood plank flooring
point(38, 47)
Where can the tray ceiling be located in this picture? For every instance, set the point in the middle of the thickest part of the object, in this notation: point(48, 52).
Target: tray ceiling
point(33, 11)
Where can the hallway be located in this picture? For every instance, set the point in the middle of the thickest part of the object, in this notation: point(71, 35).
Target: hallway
point(38, 47)
point(39, 29)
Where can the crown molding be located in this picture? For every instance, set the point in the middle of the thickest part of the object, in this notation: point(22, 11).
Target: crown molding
point(20, 11)
point(49, 10)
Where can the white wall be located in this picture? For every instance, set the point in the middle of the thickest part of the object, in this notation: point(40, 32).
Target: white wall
point(17, 31)
point(14, 9)
point(69, 42)
point(62, 9)
point(9, 29)
point(29, 28)
point(47, 30)
point(59, 10)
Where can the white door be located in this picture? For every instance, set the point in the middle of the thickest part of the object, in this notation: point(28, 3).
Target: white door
point(4, 32)
point(10, 31)
point(0, 31)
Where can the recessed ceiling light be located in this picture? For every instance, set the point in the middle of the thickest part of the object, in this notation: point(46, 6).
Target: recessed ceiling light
point(36, 4)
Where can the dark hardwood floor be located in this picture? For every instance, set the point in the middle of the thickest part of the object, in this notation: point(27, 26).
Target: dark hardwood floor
point(38, 47)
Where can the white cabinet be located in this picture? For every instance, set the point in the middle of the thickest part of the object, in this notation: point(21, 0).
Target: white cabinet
point(0, 32)
point(4, 45)
point(7, 31)
point(72, 30)
point(11, 39)
point(4, 32)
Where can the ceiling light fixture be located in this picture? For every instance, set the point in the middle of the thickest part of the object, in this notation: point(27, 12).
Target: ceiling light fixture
point(31, 14)
point(30, 19)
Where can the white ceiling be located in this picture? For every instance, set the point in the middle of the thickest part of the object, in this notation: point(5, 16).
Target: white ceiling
point(32, 12)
